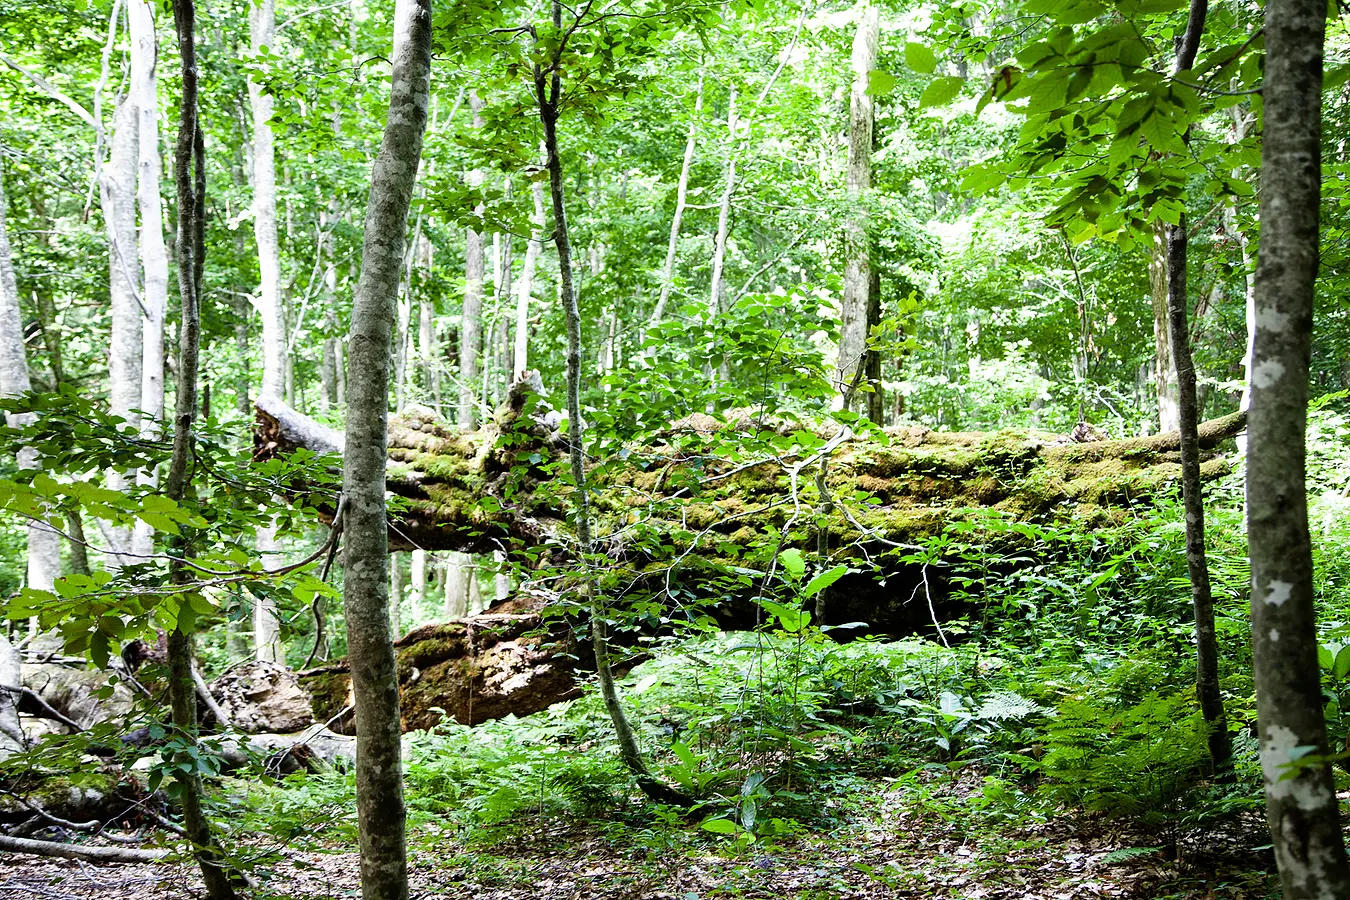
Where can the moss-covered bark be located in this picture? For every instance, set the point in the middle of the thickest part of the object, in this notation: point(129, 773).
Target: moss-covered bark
point(492, 488)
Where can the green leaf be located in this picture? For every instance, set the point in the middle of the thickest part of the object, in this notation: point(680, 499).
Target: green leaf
point(719, 826)
point(920, 58)
point(880, 82)
point(793, 563)
point(941, 91)
point(1341, 667)
point(824, 580)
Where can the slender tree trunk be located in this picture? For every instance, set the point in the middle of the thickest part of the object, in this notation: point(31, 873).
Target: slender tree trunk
point(191, 188)
point(457, 585)
point(1164, 366)
point(117, 190)
point(851, 366)
point(471, 320)
point(262, 33)
point(379, 768)
point(681, 201)
point(395, 594)
point(724, 210)
point(1301, 800)
point(548, 92)
point(44, 546)
point(521, 360)
point(417, 578)
point(144, 96)
point(876, 399)
point(1197, 564)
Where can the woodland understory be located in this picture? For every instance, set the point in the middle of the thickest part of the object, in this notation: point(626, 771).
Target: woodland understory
point(701, 449)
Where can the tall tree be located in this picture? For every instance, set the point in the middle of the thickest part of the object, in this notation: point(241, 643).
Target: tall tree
point(851, 367)
point(548, 93)
point(262, 37)
point(154, 259)
point(1301, 803)
point(471, 318)
point(190, 180)
point(1192, 487)
point(44, 547)
point(379, 767)
point(681, 201)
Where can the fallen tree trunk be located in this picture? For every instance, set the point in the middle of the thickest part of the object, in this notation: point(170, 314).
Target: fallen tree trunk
point(678, 519)
point(493, 488)
point(82, 851)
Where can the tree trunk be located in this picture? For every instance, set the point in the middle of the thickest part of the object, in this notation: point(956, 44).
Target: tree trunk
point(262, 33)
point(681, 200)
point(548, 91)
point(417, 578)
point(1301, 800)
point(379, 768)
point(266, 623)
point(117, 189)
point(457, 572)
point(471, 318)
point(191, 187)
point(1197, 564)
point(42, 562)
point(724, 210)
point(851, 367)
point(1164, 366)
point(144, 96)
point(520, 362)
point(395, 595)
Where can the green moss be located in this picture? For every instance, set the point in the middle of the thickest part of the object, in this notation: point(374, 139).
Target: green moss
point(330, 690)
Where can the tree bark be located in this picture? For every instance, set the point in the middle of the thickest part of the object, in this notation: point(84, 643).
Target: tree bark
point(1164, 366)
point(850, 369)
point(262, 33)
point(716, 288)
point(1197, 564)
point(191, 189)
point(13, 380)
point(379, 768)
point(82, 852)
point(471, 318)
point(1301, 803)
point(154, 260)
point(117, 191)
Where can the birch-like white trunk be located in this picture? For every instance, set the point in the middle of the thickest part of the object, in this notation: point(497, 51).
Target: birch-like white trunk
point(154, 257)
point(681, 201)
point(457, 573)
point(44, 545)
point(857, 261)
point(262, 33)
point(471, 319)
point(724, 209)
point(117, 193)
point(521, 351)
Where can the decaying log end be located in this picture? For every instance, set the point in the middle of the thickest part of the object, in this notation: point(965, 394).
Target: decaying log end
point(279, 430)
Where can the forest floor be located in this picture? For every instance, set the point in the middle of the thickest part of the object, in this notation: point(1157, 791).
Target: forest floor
point(911, 841)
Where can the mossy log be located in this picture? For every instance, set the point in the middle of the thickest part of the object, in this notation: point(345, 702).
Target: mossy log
point(675, 506)
point(494, 488)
